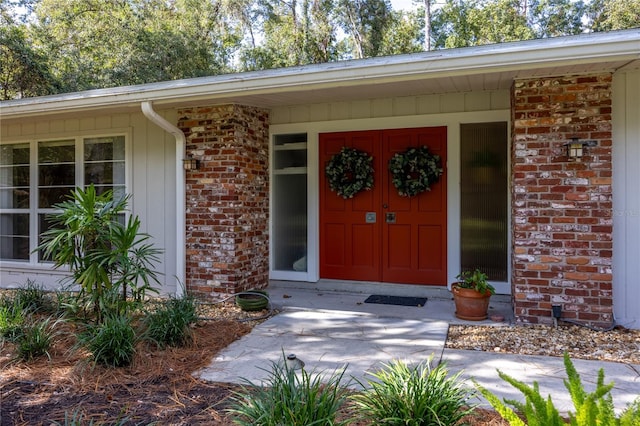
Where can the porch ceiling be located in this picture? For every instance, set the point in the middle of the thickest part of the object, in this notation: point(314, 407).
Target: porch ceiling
point(412, 87)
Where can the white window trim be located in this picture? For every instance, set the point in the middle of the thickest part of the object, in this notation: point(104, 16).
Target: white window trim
point(34, 210)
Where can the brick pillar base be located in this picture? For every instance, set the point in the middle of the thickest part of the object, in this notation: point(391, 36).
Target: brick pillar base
point(562, 238)
point(227, 198)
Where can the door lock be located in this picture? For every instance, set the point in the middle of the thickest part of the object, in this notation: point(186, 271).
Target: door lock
point(390, 217)
point(370, 217)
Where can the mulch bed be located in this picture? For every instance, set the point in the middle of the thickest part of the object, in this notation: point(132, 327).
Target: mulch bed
point(158, 388)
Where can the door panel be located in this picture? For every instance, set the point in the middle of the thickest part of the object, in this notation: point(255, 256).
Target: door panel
point(399, 253)
point(363, 237)
point(429, 255)
point(407, 243)
point(422, 217)
point(334, 252)
point(343, 227)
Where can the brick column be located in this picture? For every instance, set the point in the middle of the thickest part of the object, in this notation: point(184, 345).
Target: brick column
point(227, 198)
point(562, 224)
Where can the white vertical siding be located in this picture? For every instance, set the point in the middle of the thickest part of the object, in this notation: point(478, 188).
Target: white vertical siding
point(392, 107)
point(151, 166)
point(153, 189)
point(626, 198)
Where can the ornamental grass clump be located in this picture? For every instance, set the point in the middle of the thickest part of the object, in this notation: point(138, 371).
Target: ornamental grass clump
point(111, 342)
point(169, 324)
point(33, 298)
point(595, 408)
point(419, 395)
point(292, 397)
point(35, 340)
point(12, 318)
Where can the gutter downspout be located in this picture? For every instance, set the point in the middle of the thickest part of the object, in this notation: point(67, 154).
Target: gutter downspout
point(147, 110)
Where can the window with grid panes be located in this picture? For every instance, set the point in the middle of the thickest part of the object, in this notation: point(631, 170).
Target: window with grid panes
point(35, 176)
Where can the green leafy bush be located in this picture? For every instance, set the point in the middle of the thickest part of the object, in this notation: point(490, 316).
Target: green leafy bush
point(169, 324)
point(111, 342)
point(595, 408)
point(35, 340)
point(413, 396)
point(290, 397)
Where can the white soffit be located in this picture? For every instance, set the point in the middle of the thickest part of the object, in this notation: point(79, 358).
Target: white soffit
point(492, 67)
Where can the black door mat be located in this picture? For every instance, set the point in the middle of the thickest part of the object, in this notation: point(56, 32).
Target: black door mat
point(396, 300)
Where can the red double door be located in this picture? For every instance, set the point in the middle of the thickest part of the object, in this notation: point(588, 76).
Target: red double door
point(378, 235)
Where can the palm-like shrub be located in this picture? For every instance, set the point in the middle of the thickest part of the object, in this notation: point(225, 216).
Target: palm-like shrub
point(419, 395)
point(107, 256)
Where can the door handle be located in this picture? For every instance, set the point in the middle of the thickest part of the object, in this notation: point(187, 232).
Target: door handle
point(370, 217)
point(390, 217)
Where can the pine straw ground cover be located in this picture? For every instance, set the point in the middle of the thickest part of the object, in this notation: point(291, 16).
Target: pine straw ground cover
point(158, 388)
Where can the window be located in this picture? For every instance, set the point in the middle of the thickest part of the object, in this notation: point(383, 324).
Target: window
point(290, 203)
point(484, 198)
point(15, 192)
point(35, 176)
point(104, 164)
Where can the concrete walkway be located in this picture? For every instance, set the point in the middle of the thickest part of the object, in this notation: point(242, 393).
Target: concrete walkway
point(329, 328)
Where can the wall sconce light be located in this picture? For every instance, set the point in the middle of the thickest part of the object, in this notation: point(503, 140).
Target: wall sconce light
point(191, 163)
point(577, 148)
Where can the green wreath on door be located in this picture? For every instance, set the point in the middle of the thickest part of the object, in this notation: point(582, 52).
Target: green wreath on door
point(414, 171)
point(349, 172)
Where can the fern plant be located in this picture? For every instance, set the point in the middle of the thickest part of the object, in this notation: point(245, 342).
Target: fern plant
point(595, 408)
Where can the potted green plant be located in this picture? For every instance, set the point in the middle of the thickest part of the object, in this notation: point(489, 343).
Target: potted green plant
point(471, 294)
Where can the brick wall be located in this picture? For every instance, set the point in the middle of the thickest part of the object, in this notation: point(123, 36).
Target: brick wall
point(562, 230)
point(227, 199)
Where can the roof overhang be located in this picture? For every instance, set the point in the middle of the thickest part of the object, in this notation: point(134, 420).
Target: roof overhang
point(491, 67)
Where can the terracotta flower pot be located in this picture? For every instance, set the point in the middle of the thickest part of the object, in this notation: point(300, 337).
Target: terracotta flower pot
point(470, 305)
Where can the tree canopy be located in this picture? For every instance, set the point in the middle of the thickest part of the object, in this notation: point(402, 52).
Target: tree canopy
point(54, 46)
